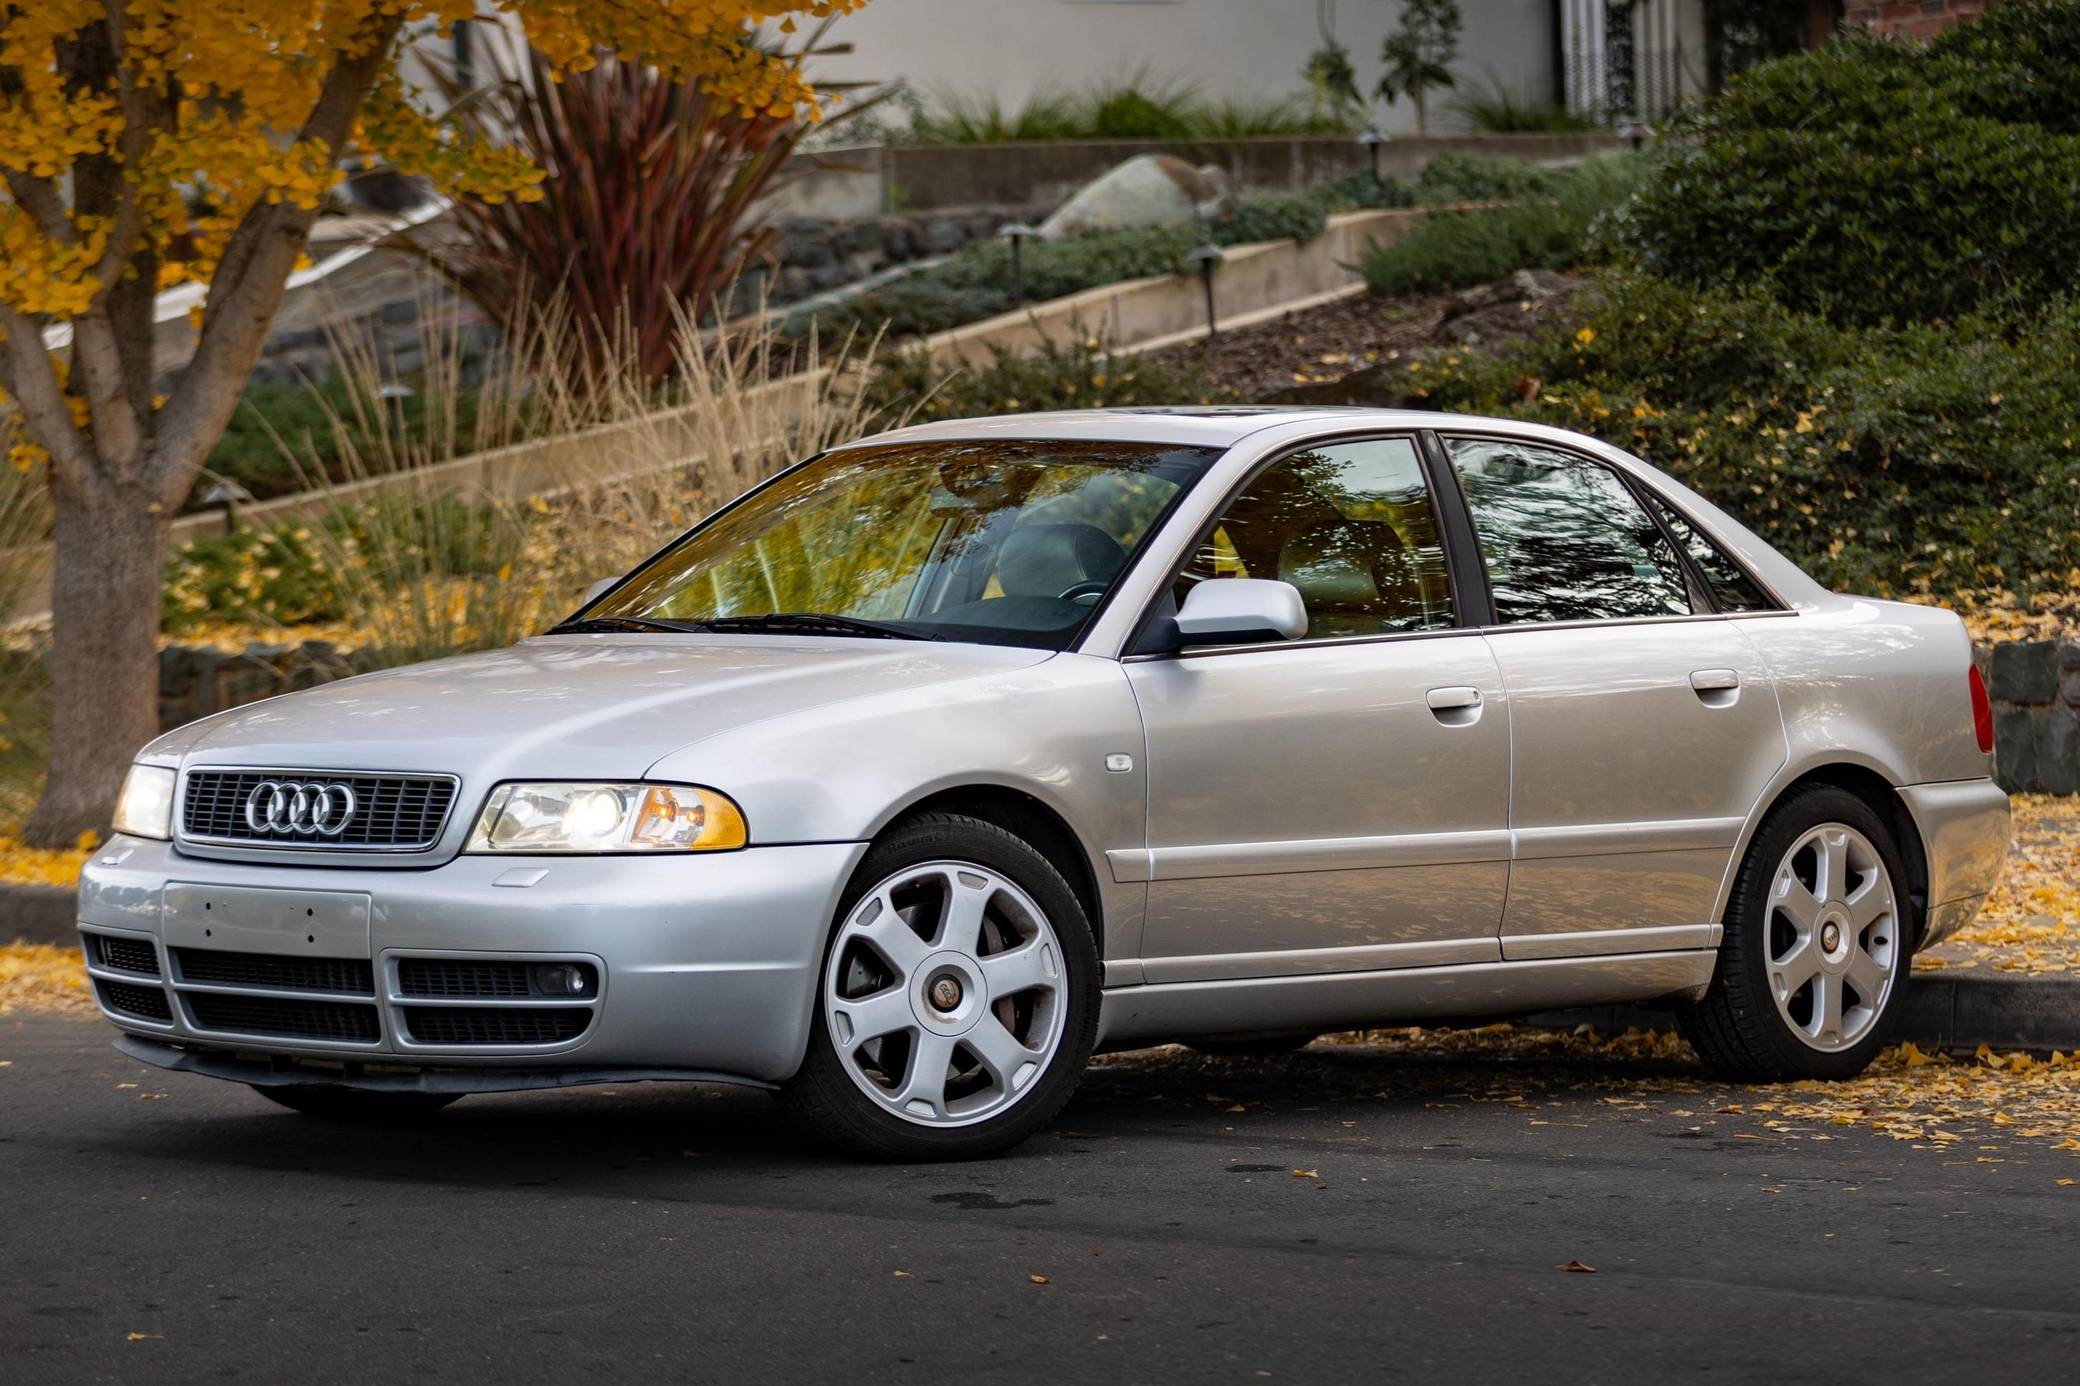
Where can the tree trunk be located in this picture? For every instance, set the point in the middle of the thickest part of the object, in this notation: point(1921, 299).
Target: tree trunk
point(1422, 110)
point(108, 561)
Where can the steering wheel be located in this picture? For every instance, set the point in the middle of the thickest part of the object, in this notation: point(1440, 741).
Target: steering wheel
point(1090, 587)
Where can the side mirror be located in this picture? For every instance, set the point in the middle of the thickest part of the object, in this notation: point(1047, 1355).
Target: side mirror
point(1234, 611)
point(596, 591)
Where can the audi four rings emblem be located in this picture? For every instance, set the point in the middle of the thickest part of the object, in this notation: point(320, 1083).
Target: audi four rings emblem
point(303, 808)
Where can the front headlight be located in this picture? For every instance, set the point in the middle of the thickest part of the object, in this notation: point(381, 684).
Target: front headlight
point(593, 817)
point(145, 807)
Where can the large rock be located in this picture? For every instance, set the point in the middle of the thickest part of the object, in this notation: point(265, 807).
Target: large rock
point(1147, 190)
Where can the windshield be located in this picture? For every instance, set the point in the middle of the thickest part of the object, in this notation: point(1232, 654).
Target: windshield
point(998, 542)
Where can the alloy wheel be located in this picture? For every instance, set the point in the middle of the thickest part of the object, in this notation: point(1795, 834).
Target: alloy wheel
point(945, 997)
point(1834, 937)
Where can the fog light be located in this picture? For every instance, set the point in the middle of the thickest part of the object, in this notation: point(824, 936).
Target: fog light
point(562, 979)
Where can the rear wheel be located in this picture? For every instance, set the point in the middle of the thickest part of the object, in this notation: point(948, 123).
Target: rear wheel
point(1819, 930)
point(959, 998)
point(357, 1104)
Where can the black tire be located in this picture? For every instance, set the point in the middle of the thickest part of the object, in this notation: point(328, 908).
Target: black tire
point(1259, 1046)
point(1737, 1028)
point(357, 1104)
point(822, 1097)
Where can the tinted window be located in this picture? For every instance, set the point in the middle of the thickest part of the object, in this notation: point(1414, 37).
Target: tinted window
point(998, 542)
point(1351, 526)
point(1563, 537)
point(1733, 589)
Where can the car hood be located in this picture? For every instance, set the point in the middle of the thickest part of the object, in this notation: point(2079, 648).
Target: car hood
point(570, 706)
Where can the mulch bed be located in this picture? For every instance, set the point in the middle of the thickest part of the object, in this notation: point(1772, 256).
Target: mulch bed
point(1300, 358)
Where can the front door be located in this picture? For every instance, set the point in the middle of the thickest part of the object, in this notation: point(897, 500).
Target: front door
point(1645, 724)
point(1338, 803)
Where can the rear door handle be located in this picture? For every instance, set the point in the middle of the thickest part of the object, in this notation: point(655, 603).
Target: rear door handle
point(1455, 707)
point(1714, 680)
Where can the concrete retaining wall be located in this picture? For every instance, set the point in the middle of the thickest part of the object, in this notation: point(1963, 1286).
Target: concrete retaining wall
point(863, 181)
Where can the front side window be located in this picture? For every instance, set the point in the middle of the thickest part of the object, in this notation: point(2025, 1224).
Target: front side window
point(1348, 524)
point(999, 542)
point(1563, 538)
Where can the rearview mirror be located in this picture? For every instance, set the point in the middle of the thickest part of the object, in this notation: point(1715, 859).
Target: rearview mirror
point(1232, 611)
point(597, 590)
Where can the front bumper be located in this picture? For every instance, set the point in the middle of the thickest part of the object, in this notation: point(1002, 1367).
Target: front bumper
point(702, 966)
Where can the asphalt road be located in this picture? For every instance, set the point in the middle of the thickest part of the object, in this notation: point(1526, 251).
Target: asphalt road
point(686, 1234)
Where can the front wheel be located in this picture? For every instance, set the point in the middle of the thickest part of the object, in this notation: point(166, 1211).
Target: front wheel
point(356, 1104)
point(1819, 930)
point(958, 1002)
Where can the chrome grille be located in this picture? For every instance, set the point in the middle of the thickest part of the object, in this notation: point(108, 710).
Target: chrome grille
point(395, 813)
point(212, 968)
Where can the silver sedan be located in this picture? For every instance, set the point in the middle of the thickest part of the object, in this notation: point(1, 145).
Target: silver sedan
point(943, 759)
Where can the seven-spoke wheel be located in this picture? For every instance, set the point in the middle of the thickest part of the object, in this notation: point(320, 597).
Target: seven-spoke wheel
point(1819, 929)
point(1834, 942)
point(958, 1000)
point(945, 994)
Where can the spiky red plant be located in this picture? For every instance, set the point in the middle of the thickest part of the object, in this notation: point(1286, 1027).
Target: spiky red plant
point(645, 218)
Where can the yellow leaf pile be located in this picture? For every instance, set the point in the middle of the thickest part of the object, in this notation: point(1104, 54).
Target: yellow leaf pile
point(2031, 923)
point(41, 978)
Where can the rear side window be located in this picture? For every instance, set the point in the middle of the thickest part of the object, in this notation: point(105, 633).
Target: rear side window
point(1563, 537)
point(1733, 589)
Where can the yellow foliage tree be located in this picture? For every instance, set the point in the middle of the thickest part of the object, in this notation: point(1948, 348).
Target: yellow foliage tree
point(147, 143)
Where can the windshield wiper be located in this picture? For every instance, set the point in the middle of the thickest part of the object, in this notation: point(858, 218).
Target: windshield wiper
point(592, 625)
point(811, 623)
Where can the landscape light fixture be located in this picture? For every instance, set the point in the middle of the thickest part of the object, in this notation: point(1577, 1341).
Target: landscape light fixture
point(1016, 232)
point(1635, 132)
point(1372, 137)
point(1207, 258)
point(227, 495)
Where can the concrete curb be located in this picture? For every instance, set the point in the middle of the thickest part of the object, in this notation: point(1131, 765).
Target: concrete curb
point(1945, 1010)
point(38, 914)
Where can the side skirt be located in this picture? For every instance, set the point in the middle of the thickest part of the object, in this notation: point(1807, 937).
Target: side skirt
point(1348, 1000)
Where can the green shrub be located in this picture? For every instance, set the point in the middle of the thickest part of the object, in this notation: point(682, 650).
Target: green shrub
point(1499, 110)
point(1881, 182)
point(1083, 373)
point(1547, 230)
point(283, 438)
point(1892, 460)
point(288, 574)
point(1361, 192)
point(1275, 217)
point(1456, 177)
point(975, 281)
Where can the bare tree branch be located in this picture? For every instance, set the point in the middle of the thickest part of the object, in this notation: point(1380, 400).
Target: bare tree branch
point(30, 377)
point(248, 285)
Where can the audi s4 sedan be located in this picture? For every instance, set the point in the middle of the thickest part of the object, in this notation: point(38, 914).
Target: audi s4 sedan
point(911, 778)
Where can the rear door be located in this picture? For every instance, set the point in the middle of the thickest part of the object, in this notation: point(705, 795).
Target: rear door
point(1645, 726)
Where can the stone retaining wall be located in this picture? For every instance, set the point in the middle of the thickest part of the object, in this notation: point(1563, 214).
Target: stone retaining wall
point(198, 680)
point(2035, 686)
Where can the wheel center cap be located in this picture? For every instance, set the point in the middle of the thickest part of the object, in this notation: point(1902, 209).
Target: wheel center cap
point(1831, 937)
point(946, 994)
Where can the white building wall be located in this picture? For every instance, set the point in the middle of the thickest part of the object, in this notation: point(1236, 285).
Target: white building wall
point(1014, 48)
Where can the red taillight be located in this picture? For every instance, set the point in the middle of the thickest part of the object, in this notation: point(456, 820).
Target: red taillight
point(1982, 712)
